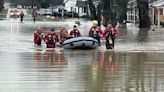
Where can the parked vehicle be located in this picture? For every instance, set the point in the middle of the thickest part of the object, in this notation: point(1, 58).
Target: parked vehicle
point(56, 14)
point(15, 13)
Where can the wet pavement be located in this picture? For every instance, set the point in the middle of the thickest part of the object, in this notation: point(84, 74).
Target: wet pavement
point(136, 64)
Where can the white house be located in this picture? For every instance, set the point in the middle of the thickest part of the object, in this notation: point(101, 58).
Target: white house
point(71, 5)
point(157, 12)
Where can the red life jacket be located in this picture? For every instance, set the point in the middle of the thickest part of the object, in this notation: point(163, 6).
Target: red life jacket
point(93, 30)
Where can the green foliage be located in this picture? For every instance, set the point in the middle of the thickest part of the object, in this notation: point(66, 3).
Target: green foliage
point(1, 4)
point(162, 24)
point(39, 3)
point(3, 13)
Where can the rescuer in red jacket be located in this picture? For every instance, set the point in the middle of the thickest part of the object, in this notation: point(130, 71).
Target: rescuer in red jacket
point(51, 38)
point(75, 32)
point(96, 32)
point(110, 35)
point(38, 36)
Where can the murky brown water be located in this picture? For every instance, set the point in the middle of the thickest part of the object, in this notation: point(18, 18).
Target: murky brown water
point(82, 71)
point(134, 66)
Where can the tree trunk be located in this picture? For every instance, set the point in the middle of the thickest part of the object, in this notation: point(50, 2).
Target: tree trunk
point(143, 35)
point(99, 15)
point(107, 12)
point(122, 10)
point(44, 4)
point(143, 13)
point(92, 10)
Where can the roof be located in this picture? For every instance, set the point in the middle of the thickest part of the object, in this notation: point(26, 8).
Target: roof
point(158, 4)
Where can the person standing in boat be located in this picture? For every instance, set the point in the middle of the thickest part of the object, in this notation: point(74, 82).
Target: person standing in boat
point(75, 32)
point(51, 38)
point(38, 36)
point(96, 32)
point(63, 35)
point(110, 34)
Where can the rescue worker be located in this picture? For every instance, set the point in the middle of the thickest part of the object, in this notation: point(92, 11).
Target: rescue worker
point(75, 32)
point(63, 34)
point(96, 32)
point(110, 35)
point(115, 30)
point(38, 36)
point(51, 38)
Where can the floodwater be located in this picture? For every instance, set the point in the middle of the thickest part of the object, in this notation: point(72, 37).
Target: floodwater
point(136, 64)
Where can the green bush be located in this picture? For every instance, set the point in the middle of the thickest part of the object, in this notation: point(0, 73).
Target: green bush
point(162, 24)
point(3, 13)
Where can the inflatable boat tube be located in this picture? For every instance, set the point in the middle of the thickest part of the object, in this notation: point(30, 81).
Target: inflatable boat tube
point(80, 43)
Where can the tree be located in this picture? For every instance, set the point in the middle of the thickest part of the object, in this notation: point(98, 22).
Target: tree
point(26, 2)
point(143, 13)
point(1, 4)
point(48, 3)
point(95, 11)
point(122, 10)
point(92, 10)
point(99, 15)
point(107, 12)
point(39, 3)
point(44, 4)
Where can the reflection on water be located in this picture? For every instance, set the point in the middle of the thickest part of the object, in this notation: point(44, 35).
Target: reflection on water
point(50, 56)
point(99, 73)
point(143, 35)
point(88, 71)
point(111, 71)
